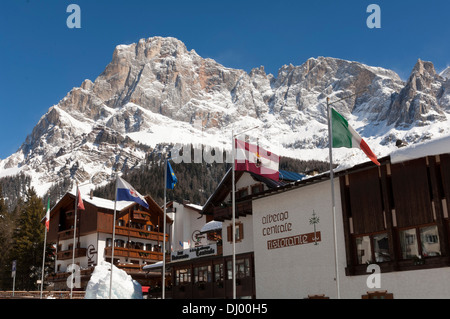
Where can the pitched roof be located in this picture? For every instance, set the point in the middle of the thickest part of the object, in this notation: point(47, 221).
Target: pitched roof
point(224, 187)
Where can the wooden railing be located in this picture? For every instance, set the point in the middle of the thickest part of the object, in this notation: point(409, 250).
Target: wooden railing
point(138, 215)
point(242, 209)
point(66, 234)
point(134, 253)
point(140, 233)
point(67, 254)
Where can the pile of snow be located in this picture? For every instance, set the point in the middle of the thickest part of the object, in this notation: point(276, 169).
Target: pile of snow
point(123, 286)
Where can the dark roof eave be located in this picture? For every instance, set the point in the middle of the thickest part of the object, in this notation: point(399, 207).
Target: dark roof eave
point(322, 177)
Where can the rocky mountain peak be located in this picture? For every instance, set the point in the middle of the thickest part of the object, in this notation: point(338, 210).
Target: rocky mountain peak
point(422, 100)
point(423, 68)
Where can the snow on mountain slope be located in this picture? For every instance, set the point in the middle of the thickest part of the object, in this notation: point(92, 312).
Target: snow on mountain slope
point(156, 92)
point(446, 73)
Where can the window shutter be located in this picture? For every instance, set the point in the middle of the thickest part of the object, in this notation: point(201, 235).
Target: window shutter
point(241, 231)
point(229, 234)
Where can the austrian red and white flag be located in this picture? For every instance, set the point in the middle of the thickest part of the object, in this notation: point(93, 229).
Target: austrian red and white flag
point(255, 159)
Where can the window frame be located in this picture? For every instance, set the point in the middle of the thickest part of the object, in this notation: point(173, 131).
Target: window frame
point(372, 248)
point(239, 232)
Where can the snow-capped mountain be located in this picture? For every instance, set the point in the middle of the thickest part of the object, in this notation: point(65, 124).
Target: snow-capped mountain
point(156, 92)
point(446, 73)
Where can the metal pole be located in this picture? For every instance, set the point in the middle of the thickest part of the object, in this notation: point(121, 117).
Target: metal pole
point(233, 203)
point(113, 239)
point(74, 237)
point(233, 200)
point(43, 262)
point(14, 284)
point(163, 283)
point(333, 206)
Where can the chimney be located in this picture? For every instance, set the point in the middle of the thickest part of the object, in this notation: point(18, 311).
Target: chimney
point(91, 194)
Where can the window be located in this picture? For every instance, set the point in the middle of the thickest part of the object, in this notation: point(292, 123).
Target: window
point(242, 268)
point(182, 276)
point(372, 248)
point(420, 242)
point(408, 243)
point(363, 249)
point(120, 243)
point(239, 232)
point(242, 193)
point(218, 272)
point(258, 188)
point(202, 274)
point(381, 247)
point(430, 241)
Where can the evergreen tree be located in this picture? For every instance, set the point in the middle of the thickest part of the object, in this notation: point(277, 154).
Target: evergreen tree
point(28, 242)
point(6, 226)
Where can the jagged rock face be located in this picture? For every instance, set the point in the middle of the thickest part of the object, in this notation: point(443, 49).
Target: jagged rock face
point(157, 84)
point(423, 99)
point(306, 87)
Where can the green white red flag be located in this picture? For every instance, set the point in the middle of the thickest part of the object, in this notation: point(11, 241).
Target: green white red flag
point(345, 136)
point(47, 216)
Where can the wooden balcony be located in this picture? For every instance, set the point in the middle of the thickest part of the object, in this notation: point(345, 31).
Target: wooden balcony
point(67, 254)
point(65, 234)
point(140, 216)
point(242, 209)
point(140, 233)
point(134, 253)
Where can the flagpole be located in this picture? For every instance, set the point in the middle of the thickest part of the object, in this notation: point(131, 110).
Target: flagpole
point(43, 259)
point(333, 206)
point(233, 199)
point(74, 237)
point(163, 282)
point(113, 239)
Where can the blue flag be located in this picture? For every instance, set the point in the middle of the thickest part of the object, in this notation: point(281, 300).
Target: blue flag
point(126, 192)
point(171, 178)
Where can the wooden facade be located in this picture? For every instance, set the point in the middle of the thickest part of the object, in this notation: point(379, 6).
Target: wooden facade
point(211, 278)
point(396, 215)
point(138, 232)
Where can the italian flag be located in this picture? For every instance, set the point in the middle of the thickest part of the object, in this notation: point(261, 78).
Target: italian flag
point(47, 216)
point(345, 136)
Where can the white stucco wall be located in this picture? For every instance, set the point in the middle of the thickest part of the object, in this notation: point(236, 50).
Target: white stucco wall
point(186, 221)
point(243, 246)
point(300, 270)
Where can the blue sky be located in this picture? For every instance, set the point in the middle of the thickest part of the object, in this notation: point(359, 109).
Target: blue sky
point(41, 59)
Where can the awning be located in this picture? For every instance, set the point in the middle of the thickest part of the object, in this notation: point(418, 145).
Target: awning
point(152, 266)
point(211, 226)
